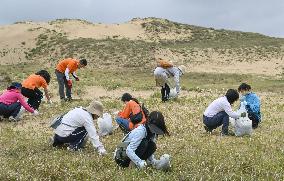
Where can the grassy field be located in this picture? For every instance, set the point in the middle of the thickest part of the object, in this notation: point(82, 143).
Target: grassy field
point(26, 155)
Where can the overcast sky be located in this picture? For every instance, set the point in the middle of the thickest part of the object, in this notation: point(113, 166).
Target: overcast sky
point(262, 16)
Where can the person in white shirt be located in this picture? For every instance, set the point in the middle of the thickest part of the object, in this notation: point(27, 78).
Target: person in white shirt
point(142, 142)
point(76, 125)
point(162, 76)
point(219, 111)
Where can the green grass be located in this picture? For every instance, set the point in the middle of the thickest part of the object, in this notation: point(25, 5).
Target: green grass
point(26, 155)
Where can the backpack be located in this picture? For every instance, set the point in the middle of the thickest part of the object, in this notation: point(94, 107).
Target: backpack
point(164, 64)
point(136, 118)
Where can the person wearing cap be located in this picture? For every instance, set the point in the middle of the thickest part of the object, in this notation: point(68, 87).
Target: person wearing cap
point(63, 68)
point(162, 77)
point(131, 108)
point(11, 102)
point(76, 125)
point(142, 142)
point(31, 85)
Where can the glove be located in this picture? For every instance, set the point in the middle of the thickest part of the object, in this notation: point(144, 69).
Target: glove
point(50, 101)
point(142, 165)
point(243, 114)
point(102, 151)
point(77, 78)
point(35, 113)
point(69, 83)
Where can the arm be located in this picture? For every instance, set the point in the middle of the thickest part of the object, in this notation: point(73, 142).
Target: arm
point(24, 103)
point(89, 126)
point(126, 111)
point(46, 94)
point(136, 138)
point(176, 78)
point(228, 109)
point(67, 73)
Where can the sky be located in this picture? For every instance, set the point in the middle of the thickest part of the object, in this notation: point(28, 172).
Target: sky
point(261, 16)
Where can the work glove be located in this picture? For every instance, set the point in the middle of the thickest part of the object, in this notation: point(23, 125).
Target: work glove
point(142, 164)
point(243, 114)
point(77, 78)
point(69, 83)
point(35, 113)
point(102, 151)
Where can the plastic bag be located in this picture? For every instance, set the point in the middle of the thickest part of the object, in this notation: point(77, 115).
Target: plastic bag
point(105, 125)
point(164, 163)
point(173, 93)
point(243, 125)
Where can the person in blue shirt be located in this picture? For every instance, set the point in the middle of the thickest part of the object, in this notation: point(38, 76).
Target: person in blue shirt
point(253, 104)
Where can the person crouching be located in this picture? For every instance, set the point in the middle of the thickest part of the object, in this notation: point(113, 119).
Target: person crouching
point(139, 145)
point(76, 125)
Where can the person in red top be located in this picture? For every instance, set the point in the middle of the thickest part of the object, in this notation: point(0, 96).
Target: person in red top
point(132, 115)
point(63, 68)
point(31, 87)
point(11, 102)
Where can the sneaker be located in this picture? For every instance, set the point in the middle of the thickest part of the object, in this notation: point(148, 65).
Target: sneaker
point(12, 119)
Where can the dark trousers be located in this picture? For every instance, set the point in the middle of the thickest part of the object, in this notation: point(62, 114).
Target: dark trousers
point(62, 82)
point(10, 110)
point(75, 139)
point(222, 118)
point(143, 151)
point(34, 96)
point(254, 119)
point(165, 91)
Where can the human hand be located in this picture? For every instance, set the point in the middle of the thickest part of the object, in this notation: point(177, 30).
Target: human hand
point(142, 164)
point(77, 78)
point(50, 101)
point(35, 113)
point(102, 151)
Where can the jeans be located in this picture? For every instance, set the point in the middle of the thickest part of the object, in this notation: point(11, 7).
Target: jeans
point(61, 79)
point(75, 139)
point(143, 151)
point(123, 124)
point(34, 96)
point(10, 110)
point(221, 118)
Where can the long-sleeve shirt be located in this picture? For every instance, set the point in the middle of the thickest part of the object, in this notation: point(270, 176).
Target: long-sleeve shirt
point(218, 105)
point(162, 75)
point(76, 118)
point(134, 108)
point(253, 104)
point(176, 73)
point(134, 138)
point(13, 95)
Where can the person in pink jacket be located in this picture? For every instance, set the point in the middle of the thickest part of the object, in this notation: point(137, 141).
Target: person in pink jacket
point(11, 102)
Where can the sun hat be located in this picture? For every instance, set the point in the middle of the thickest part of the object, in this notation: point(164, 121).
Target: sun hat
point(95, 107)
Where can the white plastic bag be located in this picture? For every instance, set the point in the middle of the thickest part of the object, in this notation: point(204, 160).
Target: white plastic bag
point(105, 125)
point(173, 93)
point(243, 125)
point(164, 163)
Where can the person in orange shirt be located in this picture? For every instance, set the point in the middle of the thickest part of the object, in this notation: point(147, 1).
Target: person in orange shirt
point(132, 115)
point(63, 68)
point(30, 88)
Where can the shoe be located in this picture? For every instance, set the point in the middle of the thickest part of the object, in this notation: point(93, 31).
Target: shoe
point(51, 140)
point(207, 129)
point(12, 119)
point(69, 99)
point(1, 118)
point(224, 134)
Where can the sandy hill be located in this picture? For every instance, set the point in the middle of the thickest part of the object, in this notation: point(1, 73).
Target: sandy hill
point(136, 43)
